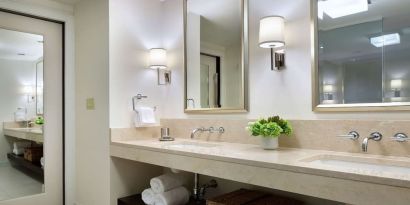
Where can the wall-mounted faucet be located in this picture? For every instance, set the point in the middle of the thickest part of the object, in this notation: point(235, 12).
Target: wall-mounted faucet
point(220, 130)
point(376, 136)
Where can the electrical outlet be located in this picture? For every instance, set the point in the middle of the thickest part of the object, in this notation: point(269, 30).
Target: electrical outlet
point(90, 104)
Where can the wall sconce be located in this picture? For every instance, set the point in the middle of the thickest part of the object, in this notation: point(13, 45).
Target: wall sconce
point(396, 85)
point(158, 61)
point(29, 92)
point(271, 35)
point(328, 91)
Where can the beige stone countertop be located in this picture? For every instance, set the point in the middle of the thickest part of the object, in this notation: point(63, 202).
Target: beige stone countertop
point(288, 159)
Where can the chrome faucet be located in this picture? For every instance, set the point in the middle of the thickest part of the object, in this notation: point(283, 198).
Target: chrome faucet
point(220, 130)
point(376, 136)
point(194, 131)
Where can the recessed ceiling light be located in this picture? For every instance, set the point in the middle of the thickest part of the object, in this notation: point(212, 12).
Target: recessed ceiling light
point(340, 8)
point(385, 40)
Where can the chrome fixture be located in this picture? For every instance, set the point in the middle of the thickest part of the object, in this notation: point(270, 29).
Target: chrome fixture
point(138, 98)
point(200, 191)
point(353, 135)
point(220, 130)
point(376, 136)
point(165, 135)
point(400, 137)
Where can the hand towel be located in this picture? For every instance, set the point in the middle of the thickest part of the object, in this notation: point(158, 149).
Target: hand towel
point(144, 116)
point(148, 196)
point(166, 182)
point(177, 196)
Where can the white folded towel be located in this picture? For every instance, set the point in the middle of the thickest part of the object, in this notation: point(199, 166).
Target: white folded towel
point(18, 151)
point(145, 116)
point(148, 196)
point(177, 196)
point(21, 144)
point(166, 182)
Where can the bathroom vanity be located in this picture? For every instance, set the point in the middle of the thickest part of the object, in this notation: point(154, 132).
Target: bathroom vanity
point(324, 174)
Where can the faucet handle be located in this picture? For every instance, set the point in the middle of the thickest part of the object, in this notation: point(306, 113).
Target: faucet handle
point(400, 137)
point(221, 130)
point(353, 135)
point(376, 136)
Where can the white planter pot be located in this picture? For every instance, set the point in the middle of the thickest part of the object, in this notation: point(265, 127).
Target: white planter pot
point(270, 143)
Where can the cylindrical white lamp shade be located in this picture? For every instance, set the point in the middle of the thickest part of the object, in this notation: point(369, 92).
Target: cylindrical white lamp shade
point(395, 84)
point(158, 58)
point(271, 32)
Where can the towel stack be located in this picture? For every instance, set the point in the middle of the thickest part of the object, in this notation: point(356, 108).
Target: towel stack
point(166, 189)
point(20, 146)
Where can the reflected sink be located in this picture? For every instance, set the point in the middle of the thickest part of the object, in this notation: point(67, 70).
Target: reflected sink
point(32, 130)
point(361, 163)
point(191, 145)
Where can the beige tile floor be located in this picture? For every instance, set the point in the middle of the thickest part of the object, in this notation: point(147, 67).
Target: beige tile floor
point(16, 184)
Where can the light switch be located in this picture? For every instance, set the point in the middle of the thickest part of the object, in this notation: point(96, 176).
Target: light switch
point(90, 104)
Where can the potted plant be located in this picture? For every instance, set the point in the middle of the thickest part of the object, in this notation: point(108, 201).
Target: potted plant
point(270, 130)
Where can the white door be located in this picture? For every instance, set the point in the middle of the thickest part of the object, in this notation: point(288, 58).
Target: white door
point(52, 97)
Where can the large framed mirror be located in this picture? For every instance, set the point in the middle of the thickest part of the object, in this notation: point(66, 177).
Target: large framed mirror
point(361, 58)
point(215, 55)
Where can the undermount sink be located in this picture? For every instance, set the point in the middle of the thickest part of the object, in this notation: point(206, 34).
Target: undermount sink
point(361, 163)
point(191, 145)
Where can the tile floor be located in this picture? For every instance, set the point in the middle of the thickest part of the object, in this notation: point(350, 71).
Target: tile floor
point(16, 184)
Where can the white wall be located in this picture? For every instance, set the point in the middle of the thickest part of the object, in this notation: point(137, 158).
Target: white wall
point(135, 27)
point(92, 126)
point(14, 75)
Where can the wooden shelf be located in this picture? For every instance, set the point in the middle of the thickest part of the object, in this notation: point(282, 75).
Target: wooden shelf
point(33, 168)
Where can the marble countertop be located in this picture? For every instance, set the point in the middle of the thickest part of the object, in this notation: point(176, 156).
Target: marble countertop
point(288, 159)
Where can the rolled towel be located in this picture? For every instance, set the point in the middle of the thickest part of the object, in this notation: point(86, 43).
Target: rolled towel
point(166, 182)
point(18, 151)
point(148, 196)
point(177, 196)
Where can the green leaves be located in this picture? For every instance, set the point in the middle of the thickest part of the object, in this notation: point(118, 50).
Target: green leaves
point(271, 127)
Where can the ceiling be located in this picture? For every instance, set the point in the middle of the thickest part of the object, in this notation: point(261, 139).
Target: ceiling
point(21, 46)
point(220, 20)
point(72, 2)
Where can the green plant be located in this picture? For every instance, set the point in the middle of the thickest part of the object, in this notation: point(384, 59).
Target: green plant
point(270, 127)
point(39, 120)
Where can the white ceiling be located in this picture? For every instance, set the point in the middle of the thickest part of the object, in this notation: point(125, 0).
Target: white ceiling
point(220, 20)
point(16, 45)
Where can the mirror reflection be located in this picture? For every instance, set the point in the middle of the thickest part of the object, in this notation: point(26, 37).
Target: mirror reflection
point(363, 51)
point(214, 63)
point(21, 133)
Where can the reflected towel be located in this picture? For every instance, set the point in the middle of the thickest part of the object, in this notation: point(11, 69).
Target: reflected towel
point(177, 196)
point(166, 182)
point(18, 151)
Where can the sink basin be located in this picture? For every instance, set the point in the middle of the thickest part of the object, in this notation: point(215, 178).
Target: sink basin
point(361, 163)
point(191, 145)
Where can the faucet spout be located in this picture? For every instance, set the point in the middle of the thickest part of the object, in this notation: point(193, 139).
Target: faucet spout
point(195, 131)
point(376, 136)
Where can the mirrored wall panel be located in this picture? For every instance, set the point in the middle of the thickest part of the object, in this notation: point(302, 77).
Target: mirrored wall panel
point(215, 52)
point(21, 108)
point(362, 53)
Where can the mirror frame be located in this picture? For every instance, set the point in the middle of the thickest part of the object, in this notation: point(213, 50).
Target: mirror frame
point(244, 64)
point(359, 107)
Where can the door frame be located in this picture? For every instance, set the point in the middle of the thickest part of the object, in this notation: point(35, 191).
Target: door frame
point(63, 24)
